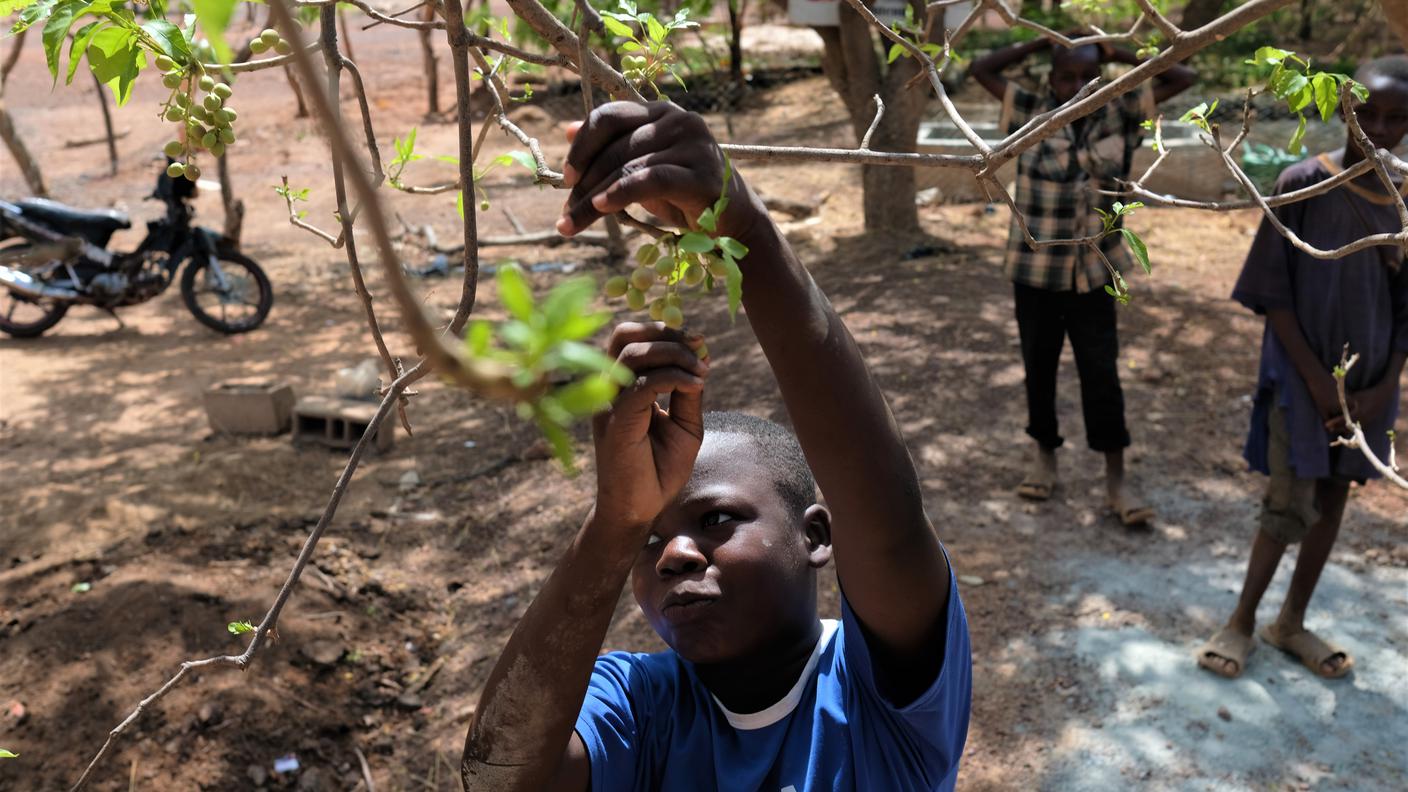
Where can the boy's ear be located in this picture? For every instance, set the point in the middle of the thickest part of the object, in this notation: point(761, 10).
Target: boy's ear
point(816, 522)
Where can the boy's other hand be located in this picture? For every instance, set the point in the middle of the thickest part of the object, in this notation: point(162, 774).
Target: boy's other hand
point(656, 155)
point(645, 453)
point(1325, 394)
point(1370, 403)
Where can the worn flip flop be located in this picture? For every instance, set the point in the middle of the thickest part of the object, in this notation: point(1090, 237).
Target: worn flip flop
point(1035, 490)
point(1131, 516)
point(1310, 650)
point(1227, 644)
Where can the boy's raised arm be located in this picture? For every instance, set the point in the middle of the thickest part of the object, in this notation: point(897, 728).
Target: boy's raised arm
point(522, 735)
point(892, 569)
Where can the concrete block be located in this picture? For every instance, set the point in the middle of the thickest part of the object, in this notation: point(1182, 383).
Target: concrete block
point(338, 423)
point(249, 407)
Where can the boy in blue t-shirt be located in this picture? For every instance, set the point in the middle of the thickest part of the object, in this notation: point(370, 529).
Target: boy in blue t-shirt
point(716, 522)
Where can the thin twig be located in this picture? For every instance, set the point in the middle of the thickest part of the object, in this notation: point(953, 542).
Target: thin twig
point(874, 123)
point(1357, 438)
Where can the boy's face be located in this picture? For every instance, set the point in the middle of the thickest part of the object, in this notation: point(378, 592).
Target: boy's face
point(729, 571)
point(1072, 69)
point(1384, 117)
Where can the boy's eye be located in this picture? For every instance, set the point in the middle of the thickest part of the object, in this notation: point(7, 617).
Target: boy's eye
point(717, 517)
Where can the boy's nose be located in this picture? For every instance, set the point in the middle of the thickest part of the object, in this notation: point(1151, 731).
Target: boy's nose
point(680, 556)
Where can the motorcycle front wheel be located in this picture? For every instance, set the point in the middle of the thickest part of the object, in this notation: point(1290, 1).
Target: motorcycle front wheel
point(232, 297)
point(27, 317)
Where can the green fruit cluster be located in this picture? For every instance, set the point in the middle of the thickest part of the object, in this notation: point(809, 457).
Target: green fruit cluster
point(670, 273)
point(269, 39)
point(198, 104)
point(635, 67)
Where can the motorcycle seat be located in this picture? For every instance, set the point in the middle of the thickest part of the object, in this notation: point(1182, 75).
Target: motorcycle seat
point(96, 227)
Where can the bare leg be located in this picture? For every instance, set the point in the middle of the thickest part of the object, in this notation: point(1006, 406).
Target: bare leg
point(1265, 557)
point(1314, 552)
point(1127, 503)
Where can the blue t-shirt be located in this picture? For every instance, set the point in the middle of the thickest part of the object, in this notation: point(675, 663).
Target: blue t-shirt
point(648, 723)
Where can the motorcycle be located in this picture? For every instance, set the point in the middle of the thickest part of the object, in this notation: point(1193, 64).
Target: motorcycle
point(53, 257)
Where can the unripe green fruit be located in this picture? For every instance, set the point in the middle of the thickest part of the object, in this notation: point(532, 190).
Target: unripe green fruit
point(226, 135)
point(258, 47)
point(283, 47)
point(182, 100)
point(207, 82)
point(647, 254)
point(664, 267)
point(164, 63)
point(217, 150)
point(198, 112)
point(211, 103)
point(693, 275)
point(643, 278)
point(175, 170)
point(222, 90)
point(657, 309)
point(673, 317)
point(208, 139)
point(174, 114)
point(483, 206)
point(616, 286)
point(635, 298)
point(702, 351)
point(192, 172)
point(228, 115)
point(716, 267)
point(174, 149)
point(673, 298)
point(171, 80)
point(269, 36)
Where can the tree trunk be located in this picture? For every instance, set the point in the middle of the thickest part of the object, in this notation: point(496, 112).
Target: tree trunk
point(736, 9)
point(1200, 12)
point(297, 93)
point(853, 66)
point(20, 152)
point(1396, 12)
point(432, 76)
point(234, 208)
point(107, 126)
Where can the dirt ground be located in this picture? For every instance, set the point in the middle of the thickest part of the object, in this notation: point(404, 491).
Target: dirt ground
point(1082, 630)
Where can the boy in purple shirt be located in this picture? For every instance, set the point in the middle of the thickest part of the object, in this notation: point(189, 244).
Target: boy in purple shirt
point(1313, 307)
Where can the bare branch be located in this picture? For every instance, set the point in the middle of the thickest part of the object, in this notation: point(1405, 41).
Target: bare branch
point(1357, 439)
point(565, 42)
point(874, 123)
point(295, 220)
point(256, 65)
point(1160, 21)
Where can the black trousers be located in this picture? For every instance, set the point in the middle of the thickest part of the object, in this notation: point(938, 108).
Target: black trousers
point(1044, 319)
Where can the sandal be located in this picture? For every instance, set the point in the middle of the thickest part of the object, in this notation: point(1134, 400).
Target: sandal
point(1312, 652)
point(1230, 645)
point(1131, 516)
point(1036, 490)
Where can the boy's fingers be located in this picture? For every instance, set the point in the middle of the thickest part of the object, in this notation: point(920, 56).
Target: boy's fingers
point(633, 332)
point(650, 183)
point(651, 384)
point(687, 411)
point(604, 125)
point(610, 168)
point(646, 355)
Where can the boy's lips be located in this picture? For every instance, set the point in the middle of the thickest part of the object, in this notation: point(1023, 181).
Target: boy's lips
point(683, 605)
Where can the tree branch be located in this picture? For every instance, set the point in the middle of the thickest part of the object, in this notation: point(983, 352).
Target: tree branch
point(1357, 439)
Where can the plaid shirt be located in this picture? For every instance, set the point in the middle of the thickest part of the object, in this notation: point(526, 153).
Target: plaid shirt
point(1056, 191)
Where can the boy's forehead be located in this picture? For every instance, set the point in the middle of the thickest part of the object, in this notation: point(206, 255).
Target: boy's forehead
point(734, 461)
point(1385, 91)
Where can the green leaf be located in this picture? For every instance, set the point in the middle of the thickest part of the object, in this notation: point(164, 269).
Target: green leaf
point(733, 247)
point(6, 753)
point(586, 396)
point(525, 159)
point(1327, 90)
point(584, 357)
point(514, 292)
point(896, 50)
point(695, 242)
point(1295, 145)
point(56, 32)
point(733, 282)
point(656, 30)
point(1270, 56)
point(583, 326)
point(560, 441)
point(476, 341)
point(76, 50)
point(1141, 251)
point(115, 58)
point(29, 14)
point(567, 299)
point(214, 17)
point(459, 203)
point(1360, 92)
point(170, 38)
point(616, 27)
point(239, 627)
point(8, 7)
point(708, 221)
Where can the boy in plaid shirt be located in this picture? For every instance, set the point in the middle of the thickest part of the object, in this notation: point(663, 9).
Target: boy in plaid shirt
point(1059, 290)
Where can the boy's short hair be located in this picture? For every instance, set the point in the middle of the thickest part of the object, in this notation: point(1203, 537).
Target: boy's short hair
point(779, 451)
point(1394, 67)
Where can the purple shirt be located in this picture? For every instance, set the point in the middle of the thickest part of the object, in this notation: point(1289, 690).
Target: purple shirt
point(1358, 299)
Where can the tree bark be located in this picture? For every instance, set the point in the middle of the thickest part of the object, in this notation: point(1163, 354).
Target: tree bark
point(853, 66)
point(432, 76)
point(736, 9)
point(107, 126)
point(1200, 12)
point(1396, 12)
point(32, 175)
